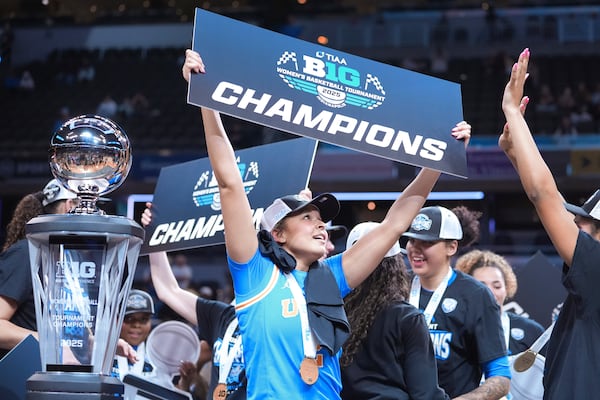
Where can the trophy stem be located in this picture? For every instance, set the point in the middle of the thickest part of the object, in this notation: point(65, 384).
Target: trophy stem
point(87, 205)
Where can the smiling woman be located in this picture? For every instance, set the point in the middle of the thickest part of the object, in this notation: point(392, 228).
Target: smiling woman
point(496, 273)
point(463, 318)
point(289, 303)
point(135, 330)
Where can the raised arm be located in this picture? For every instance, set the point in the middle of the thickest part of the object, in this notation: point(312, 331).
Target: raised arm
point(167, 289)
point(536, 178)
point(11, 334)
point(362, 258)
point(240, 233)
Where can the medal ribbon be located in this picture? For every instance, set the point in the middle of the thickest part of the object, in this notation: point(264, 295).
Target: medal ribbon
point(308, 340)
point(227, 354)
point(541, 341)
point(436, 297)
point(505, 327)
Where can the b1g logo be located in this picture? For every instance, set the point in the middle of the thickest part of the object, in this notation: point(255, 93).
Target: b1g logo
point(206, 189)
point(76, 269)
point(329, 77)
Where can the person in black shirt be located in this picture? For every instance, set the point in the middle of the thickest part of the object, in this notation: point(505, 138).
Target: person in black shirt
point(574, 347)
point(17, 307)
point(216, 322)
point(389, 354)
point(462, 316)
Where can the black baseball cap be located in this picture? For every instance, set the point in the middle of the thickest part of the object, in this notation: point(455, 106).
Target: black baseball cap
point(589, 209)
point(139, 301)
point(435, 223)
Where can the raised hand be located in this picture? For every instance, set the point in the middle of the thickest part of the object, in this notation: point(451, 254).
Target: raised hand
point(147, 215)
point(513, 92)
point(462, 131)
point(193, 63)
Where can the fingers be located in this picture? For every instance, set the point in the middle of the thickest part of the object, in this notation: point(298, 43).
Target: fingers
point(193, 63)
point(126, 350)
point(146, 217)
point(462, 130)
point(187, 368)
point(524, 103)
point(512, 99)
point(519, 71)
point(306, 193)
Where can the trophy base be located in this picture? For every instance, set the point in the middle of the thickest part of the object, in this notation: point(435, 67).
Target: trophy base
point(73, 386)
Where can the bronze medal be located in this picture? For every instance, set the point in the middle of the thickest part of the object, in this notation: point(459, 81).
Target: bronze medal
point(309, 370)
point(524, 361)
point(220, 392)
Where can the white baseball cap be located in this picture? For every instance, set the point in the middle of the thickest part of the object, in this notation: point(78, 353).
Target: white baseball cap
point(362, 229)
point(54, 191)
point(326, 203)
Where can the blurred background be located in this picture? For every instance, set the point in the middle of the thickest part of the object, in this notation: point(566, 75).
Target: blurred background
point(122, 59)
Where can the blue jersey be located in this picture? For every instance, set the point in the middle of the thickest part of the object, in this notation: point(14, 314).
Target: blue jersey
point(270, 325)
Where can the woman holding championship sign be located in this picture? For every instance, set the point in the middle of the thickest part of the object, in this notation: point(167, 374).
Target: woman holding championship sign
point(289, 305)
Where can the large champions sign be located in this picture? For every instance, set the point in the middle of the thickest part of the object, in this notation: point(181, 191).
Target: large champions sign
point(186, 208)
point(318, 92)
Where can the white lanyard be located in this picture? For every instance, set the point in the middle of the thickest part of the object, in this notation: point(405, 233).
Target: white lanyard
point(541, 341)
point(436, 297)
point(505, 327)
point(226, 356)
point(308, 341)
point(137, 368)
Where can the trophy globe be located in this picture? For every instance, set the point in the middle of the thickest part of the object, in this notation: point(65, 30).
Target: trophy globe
point(90, 155)
point(82, 265)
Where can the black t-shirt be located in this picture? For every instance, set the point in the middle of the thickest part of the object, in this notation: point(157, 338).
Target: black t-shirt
point(466, 332)
point(213, 319)
point(15, 284)
point(395, 360)
point(523, 333)
point(573, 357)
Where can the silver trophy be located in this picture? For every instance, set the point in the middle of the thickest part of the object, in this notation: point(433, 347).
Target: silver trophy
point(90, 156)
point(82, 265)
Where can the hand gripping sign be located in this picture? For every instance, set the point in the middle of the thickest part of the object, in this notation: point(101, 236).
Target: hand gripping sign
point(314, 91)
